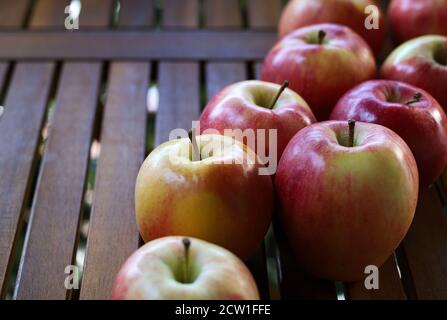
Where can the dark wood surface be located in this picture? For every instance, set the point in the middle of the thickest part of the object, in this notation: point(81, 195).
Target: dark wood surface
point(188, 50)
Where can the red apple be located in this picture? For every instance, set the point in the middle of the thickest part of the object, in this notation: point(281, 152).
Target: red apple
point(407, 110)
point(176, 268)
point(421, 62)
point(348, 194)
point(258, 105)
point(413, 18)
point(321, 62)
point(219, 197)
point(351, 13)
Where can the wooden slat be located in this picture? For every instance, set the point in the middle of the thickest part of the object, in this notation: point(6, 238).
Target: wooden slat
point(265, 14)
point(13, 13)
point(222, 14)
point(144, 45)
point(49, 14)
point(390, 286)
point(95, 14)
point(425, 248)
point(113, 233)
point(221, 74)
point(180, 14)
point(24, 109)
point(136, 13)
point(52, 235)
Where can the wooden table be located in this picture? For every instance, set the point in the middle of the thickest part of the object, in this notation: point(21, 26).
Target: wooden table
point(77, 125)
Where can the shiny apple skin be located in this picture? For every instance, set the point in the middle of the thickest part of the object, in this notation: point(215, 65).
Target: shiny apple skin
point(413, 63)
point(345, 208)
point(413, 18)
point(320, 74)
point(422, 125)
point(228, 204)
point(301, 13)
point(150, 273)
point(236, 107)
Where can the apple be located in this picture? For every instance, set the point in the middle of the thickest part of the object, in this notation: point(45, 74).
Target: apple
point(321, 62)
point(215, 194)
point(347, 194)
point(421, 62)
point(351, 13)
point(258, 105)
point(413, 18)
point(176, 268)
point(407, 110)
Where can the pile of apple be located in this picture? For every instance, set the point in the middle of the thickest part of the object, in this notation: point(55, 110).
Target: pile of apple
point(346, 186)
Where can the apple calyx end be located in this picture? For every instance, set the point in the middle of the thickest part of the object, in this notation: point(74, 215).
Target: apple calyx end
point(351, 124)
point(416, 98)
point(283, 87)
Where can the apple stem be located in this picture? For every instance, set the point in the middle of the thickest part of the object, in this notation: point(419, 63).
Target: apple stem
point(284, 85)
point(416, 98)
point(186, 246)
point(351, 124)
point(195, 148)
point(321, 36)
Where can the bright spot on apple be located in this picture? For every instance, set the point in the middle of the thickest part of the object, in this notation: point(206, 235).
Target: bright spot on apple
point(152, 99)
point(75, 9)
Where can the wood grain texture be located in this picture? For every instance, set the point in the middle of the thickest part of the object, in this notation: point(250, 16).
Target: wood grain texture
point(222, 74)
point(20, 128)
point(180, 14)
point(58, 200)
point(390, 285)
point(425, 248)
point(13, 13)
point(96, 14)
point(265, 14)
point(136, 44)
point(48, 14)
point(223, 14)
point(136, 13)
point(113, 233)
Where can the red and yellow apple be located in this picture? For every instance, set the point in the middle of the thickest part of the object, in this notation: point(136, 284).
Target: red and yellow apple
point(258, 105)
point(413, 18)
point(407, 110)
point(176, 268)
point(347, 196)
point(351, 13)
point(321, 62)
point(421, 62)
point(219, 197)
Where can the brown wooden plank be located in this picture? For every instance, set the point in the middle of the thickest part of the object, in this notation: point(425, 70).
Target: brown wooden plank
point(144, 45)
point(136, 13)
point(179, 98)
point(265, 14)
point(49, 14)
point(96, 14)
point(13, 13)
point(113, 233)
point(390, 285)
point(52, 235)
point(20, 128)
point(425, 248)
point(221, 74)
point(180, 14)
point(222, 14)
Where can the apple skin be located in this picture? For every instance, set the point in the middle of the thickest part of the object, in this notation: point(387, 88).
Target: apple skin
point(422, 125)
point(320, 74)
point(155, 272)
point(245, 105)
point(228, 204)
point(414, 62)
point(351, 13)
point(413, 18)
point(344, 208)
